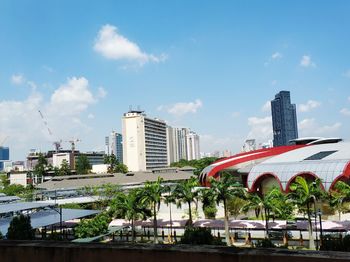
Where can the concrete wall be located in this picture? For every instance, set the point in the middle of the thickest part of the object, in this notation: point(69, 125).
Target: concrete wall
point(64, 252)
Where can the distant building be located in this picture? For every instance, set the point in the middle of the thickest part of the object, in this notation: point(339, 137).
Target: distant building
point(227, 153)
point(4, 156)
point(116, 145)
point(95, 158)
point(249, 145)
point(144, 142)
point(177, 143)
point(193, 150)
point(284, 119)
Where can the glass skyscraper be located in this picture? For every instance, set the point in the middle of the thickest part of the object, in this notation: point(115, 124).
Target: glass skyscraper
point(4, 156)
point(284, 119)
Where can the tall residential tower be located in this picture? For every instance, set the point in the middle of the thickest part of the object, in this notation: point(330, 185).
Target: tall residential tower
point(284, 119)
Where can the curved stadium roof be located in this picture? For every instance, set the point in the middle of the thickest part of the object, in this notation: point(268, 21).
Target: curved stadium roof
point(327, 159)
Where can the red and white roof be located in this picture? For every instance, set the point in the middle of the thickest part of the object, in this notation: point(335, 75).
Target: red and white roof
point(328, 160)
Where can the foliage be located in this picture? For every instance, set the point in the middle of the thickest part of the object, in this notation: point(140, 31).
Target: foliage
point(20, 228)
point(72, 206)
point(338, 196)
point(152, 194)
point(335, 243)
point(13, 190)
point(65, 168)
point(42, 166)
point(270, 205)
point(225, 189)
point(234, 206)
point(114, 165)
point(185, 192)
point(82, 165)
point(199, 165)
point(265, 243)
point(198, 236)
point(93, 227)
point(304, 194)
point(4, 182)
point(208, 203)
point(131, 207)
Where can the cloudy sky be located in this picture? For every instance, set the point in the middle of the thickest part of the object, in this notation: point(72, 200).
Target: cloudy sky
point(208, 65)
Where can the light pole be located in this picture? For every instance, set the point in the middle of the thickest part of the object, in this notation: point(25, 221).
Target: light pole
point(321, 233)
point(315, 222)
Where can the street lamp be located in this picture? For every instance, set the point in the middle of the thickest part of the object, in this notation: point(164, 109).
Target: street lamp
point(321, 233)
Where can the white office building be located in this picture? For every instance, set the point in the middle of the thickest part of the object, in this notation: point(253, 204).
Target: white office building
point(144, 142)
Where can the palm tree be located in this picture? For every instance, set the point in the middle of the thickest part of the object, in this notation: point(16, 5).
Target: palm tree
point(131, 207)
point(225, 189)
point(208, 198)
point(185, 192)
point(152, 194)
point(305, 194)
point(337, 196)
point(266, 205)
point(170, 199)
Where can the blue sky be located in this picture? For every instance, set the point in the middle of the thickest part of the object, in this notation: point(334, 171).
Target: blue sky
point(210, 66)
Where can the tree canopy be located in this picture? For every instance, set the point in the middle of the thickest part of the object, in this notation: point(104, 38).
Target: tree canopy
point(82, 165)
point(20, 228)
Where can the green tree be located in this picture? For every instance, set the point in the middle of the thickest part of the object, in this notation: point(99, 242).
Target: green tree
point(208, 198)
point(305, 194)
point(225, 189)
point(13, 190)
point(267, 205)
point(65, 168)
point(112, 161)
point(131, 207)
point(199, 165)
point(120, 168)
point(338, 196)
point(93, 227)
point(20, 228)
point(152, 193)
point(234, 206)
point(185, 192)
point(82, 165)
point(41, 166)
point(4, 181)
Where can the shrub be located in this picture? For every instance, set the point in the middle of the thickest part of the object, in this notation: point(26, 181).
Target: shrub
point(93, 227)
point(198, 236)
point(335, 243)
point(210, 211)
point(265, 243)
point(20, 229)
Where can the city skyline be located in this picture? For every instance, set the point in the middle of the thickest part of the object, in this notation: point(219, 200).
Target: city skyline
point(211, 67)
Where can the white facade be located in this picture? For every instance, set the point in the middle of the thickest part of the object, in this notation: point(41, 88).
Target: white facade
point(58, 158)
point(177, 143)
point(100, 169)
point(193, 151)
point(144, 142)
point(18, 178)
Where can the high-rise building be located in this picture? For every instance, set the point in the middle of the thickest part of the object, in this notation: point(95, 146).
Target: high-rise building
point(249, 145)
point(284, 119)
point(116, 145)
point(177, 143)
point(193, 151)
point(144, 142)
point(4, 156)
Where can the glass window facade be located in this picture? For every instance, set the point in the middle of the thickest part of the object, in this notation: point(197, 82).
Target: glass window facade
point(284, 119)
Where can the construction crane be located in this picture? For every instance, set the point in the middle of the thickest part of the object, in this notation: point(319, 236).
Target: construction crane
point(73, 143)
point(57, 144)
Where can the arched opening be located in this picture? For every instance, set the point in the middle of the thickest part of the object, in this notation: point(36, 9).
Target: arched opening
point(265, 183)
point(308, 176)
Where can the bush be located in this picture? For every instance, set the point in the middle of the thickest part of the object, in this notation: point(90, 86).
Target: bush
point(93, 227)
point(199, 236)
point(335, 243)
point(210, 211)
point(20, 229)
point(265, 243)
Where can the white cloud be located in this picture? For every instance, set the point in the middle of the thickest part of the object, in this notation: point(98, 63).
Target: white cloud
point(17, 79)
point(91, 116)
point(306, 61)
point(345, 112)
point(266, 107)
point(276, 55)
point(182, 108)
point(112, 45)
point(310, 127)
point(310, 105)
point(260, 128)
point(101, 92)
point(20, 119)
point(72, 97)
